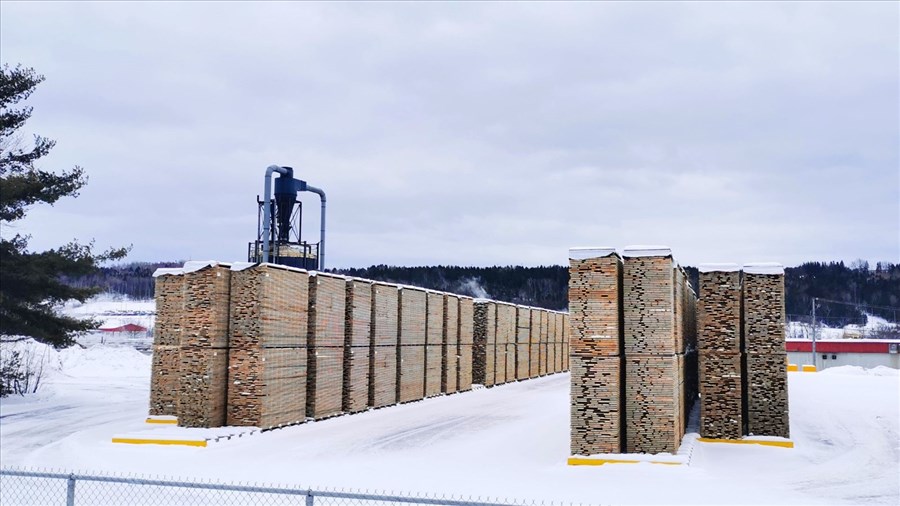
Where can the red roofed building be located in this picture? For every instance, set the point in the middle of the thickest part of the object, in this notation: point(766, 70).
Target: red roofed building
point(866, 353)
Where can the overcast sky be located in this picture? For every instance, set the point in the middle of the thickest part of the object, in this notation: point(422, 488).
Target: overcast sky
point(473, 134)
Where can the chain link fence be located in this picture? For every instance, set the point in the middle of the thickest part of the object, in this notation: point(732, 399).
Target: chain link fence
point(31, 488)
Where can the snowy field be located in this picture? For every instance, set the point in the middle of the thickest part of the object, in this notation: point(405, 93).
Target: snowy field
point(506, 442)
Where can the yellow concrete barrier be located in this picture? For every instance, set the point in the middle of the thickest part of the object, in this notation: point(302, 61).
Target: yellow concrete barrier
point(139, 441)
point(809, 368)
point(764, 442)
point(166, 420)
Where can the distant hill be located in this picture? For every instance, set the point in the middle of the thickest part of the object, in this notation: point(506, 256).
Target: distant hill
point(855, 288)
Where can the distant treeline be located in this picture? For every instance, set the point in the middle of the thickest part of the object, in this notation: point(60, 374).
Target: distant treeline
point(857, 287)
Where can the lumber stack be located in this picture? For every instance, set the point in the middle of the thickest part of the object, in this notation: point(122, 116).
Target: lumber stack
point(484, 351)
point(551, 342)
point(466, 346)
point(267, 362)
point(434, 344)
point(534, 345)
point(411, 350)
point(719, 342)
point(357, 345)
point(325, 338)
point(506, 343)
point(542, 343)
point(767, 397)
point(203, 354)
point(450, 348)
point(595, 323)
point(385, 321)
point(164, 378)
point(523, 337)
point(654, 360)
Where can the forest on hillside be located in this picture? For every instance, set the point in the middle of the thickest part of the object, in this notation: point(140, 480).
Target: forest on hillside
point(844, 292)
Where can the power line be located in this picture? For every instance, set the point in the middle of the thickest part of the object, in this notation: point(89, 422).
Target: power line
point(857, 304)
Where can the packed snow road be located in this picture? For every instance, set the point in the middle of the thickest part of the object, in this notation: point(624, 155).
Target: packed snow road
point(509, 441)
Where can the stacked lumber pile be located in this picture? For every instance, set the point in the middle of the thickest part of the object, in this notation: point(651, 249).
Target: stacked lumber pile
point(465, 349)
point(485, 344)
point(327, 313)
point(654, 360)
point(767, 397)
point(450, 348)
point(719, 342)
point(542, 343)
point(267, 362)
point(506, 343)
point(411, 350)
point(357, 345)
point(434, 343)
point(203, 354)
point(523, 337)
point(534, 345)
point(267, 345)
point(385, 321)
point(595, 322)
point(165, 379)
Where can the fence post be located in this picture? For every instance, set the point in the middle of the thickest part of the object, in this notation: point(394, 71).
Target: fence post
point(309, 498)
point(70, 490)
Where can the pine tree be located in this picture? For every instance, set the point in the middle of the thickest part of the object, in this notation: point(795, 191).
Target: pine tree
point(30, 282)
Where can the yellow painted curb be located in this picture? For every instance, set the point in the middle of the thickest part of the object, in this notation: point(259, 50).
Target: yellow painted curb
point(162, 421)
point(578, 461)
point(182, 442)
point(782, 444)
point(809, 368)
point(793, 368)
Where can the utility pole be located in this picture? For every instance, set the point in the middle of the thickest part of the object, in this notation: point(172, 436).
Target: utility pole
point(813, 331)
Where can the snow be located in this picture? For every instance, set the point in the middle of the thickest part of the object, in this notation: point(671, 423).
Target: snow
point(646, 251)
point(719, 267)
point(853, 370)
point(763, 268)
point(584, 253)
point(507, 441)
point(190, 266)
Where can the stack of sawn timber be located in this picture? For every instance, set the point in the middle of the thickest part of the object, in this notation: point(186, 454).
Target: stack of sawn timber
point(764, 350)
point(596, 333)
point(653, 295)
point(189, 374)
point(327, 324)
point(268, 346)
point(720, 344)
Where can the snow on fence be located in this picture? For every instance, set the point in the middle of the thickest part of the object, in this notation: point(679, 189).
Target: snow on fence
point(635, 349)
point(37, 487)
point(265, 345)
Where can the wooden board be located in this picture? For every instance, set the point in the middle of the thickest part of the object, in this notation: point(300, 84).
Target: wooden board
point(267, 387)
point(767, 395)
point(383, 386)
point(434, 341)
point(595, 306)
point(721, 395)
point(719, 312)
point(325, 381)
point(597, 407)
point(450, 349)
point(164, 380)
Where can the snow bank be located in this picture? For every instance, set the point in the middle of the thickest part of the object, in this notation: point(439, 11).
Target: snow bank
point(855, 370)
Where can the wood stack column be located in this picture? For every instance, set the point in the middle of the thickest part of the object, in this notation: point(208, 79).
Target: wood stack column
point(596, 332)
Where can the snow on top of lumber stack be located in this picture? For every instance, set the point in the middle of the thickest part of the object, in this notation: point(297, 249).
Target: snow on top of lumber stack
point(719, 267)
point(584, 253)
point(191, 266)
point(764, 268)
point(646, 251)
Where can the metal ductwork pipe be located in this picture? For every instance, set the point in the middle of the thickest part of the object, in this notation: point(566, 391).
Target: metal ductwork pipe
point(321, 194)
point(267, 211)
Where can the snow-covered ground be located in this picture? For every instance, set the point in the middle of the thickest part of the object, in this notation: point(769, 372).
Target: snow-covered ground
point(509, 441)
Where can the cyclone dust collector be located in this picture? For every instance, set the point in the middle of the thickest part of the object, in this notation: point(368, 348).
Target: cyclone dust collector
point(279, 224)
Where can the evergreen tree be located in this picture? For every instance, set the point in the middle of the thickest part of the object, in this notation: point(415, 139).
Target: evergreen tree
point(30, 282)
